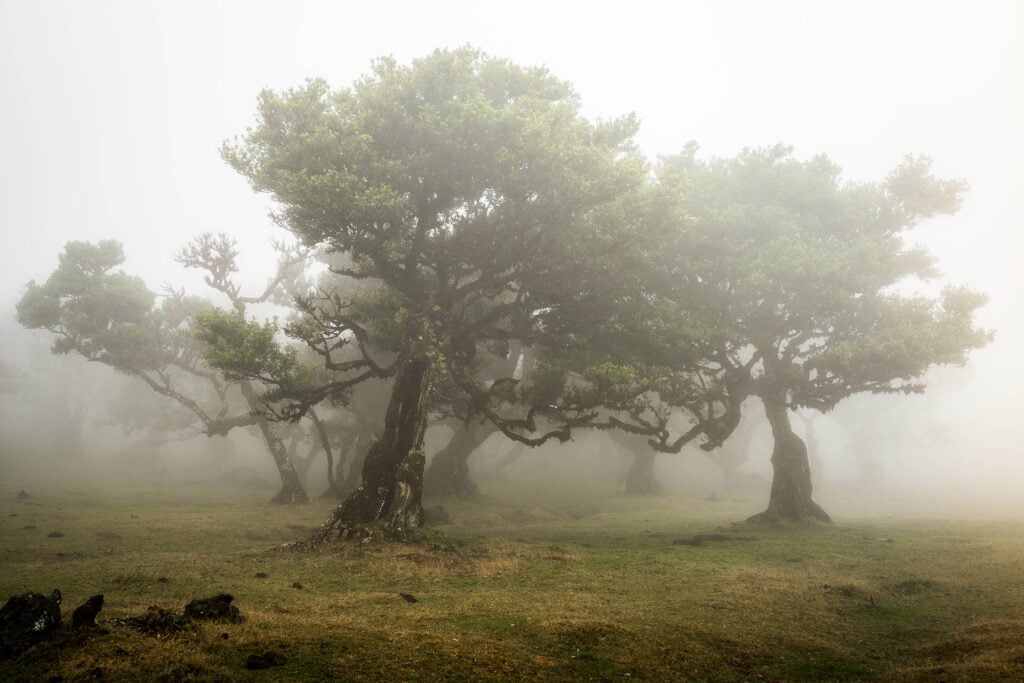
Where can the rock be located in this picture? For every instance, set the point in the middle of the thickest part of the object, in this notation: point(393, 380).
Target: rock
point(84, 615)
point(261, 575)
point(297, 585)
point(27, 619)
point(408, 598)
point(217, 608)
point(265, 660)
point(22, 495)
point(163, 579)
point(55, 534)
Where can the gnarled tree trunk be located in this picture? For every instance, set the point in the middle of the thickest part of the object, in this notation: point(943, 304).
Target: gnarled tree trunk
point(391, 489)
point(448, 474)
point(791, 479)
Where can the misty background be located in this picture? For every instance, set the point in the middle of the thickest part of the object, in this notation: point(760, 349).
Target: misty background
point(114, 112)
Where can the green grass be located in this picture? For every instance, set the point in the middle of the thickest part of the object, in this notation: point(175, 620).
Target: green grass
point(582, 590)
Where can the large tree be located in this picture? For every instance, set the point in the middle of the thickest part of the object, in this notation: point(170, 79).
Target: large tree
point(462, 184)
point(806, 286)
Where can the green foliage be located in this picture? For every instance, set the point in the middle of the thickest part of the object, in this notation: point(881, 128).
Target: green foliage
point(246, 349)
point(103, 315)
point(458, 160)
point(466, 190)
point(802, 273)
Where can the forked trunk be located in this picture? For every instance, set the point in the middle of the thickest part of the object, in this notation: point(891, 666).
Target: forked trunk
point(291, 486)
point(448, 474)
point(791, 479)
point(391, 489)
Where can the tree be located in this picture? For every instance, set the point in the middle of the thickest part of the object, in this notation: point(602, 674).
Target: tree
point(460, 183)
point(112, 318)
point(805, 281)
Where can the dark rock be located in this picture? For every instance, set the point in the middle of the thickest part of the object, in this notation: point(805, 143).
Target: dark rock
point(408, 598)
point(27, 619)
point(217, 608)
point(163, 579)
point(107, 535)
point(22, 495)
point(55, 534)
point(265, 660)
point(261, 575)
point(225, 635)
point(297, 585)
point(84, 615)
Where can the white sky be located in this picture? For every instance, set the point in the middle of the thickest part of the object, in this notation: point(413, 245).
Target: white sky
point(112, 113)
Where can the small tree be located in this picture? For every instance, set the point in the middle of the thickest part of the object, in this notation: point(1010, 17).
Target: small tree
point(110, 317)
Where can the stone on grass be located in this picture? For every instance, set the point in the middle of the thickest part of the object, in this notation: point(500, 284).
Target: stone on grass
point(28, 619)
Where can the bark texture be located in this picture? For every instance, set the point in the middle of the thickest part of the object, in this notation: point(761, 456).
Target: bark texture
point(791, 480)
point(391, 489)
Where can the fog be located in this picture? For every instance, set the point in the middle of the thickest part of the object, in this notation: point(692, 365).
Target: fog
point(114, 113)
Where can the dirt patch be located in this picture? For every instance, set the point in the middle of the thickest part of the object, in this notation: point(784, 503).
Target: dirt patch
point(155, 622)
point(704, 539)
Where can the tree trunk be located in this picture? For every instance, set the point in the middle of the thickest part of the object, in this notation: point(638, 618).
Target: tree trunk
point(510, 457)
point(391, 489)
point(791, 479)
point(347, 478)
point(640, 479)
point(448, 474)
point(291, 487)
point(325, 443)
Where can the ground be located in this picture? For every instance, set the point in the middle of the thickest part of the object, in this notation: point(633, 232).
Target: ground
point(654, 588)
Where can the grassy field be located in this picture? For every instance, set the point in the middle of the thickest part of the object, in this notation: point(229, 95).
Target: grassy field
point(613, 589)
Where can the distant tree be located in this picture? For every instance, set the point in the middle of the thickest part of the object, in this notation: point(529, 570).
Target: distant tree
point(463, 185)
point(803, 282)
point(110, 317)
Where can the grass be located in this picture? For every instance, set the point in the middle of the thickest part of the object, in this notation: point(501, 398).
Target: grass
point(608, 589)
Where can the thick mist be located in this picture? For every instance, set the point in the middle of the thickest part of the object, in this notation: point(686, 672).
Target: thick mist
point(116, 111)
